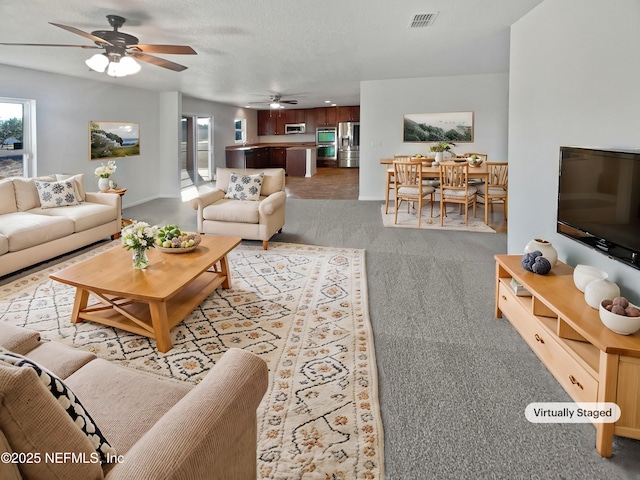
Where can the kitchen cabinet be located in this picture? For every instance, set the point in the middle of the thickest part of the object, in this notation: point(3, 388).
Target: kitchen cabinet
point(592, 363)
point(310, 120)
point(326, 116)
point(249, 158)
point(261, 159)
point(278, 157)
point(294, 116)
point(349, 114)
point(266, 123)
point(271, 122)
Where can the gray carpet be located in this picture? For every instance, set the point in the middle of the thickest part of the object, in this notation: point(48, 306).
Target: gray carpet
point(454, 380)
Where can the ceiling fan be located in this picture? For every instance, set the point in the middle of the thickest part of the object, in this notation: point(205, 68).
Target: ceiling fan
point(119, 49)
point(275, 101)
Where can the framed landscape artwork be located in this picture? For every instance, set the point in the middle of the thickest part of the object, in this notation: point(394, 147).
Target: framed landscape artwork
point(113, 139)
point(455, 127)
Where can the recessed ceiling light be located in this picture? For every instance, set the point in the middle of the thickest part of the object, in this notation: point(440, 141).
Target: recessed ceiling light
point(333, 104)
point(327, 101)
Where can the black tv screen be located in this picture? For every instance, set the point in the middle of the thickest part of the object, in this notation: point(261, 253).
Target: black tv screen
point(599, 200)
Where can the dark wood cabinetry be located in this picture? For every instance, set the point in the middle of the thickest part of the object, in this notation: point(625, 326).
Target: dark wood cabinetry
point(310, 120)
point(326, 116)
point(258, 157)
point(278, 157)
point(261, 158)
point(266, 123)
point(349, 114)
point(272, 122)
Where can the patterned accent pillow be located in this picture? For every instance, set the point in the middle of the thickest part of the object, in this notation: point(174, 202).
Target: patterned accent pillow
point(68, 401)
point(244, 187)
point(57, 194)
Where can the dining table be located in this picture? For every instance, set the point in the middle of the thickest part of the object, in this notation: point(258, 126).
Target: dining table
point(433, 171)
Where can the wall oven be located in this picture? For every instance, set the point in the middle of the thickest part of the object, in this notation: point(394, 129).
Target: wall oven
point(327, 145)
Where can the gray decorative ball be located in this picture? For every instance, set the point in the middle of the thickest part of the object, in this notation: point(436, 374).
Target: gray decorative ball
point(541, 266)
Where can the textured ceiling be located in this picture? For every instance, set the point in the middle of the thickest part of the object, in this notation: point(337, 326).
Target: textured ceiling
point(248, 49)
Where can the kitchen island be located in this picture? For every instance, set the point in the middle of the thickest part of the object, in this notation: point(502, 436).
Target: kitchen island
point(298, 159)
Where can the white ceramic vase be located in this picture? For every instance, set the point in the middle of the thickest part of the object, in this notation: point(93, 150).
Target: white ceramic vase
point(439, 157)
point(598, 290)
point(103, 184)
point(544, 247)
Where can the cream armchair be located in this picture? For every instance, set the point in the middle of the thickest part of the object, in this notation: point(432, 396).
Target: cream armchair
point(249, 219)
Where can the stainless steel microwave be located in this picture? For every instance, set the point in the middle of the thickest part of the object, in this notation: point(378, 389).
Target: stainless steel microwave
point(295, 128)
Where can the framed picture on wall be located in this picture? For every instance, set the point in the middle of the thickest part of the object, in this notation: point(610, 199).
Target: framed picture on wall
point(113, 140)
point(438, 127)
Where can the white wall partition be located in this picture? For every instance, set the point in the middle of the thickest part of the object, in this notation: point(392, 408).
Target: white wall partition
point(384, 102)
point(573, 81)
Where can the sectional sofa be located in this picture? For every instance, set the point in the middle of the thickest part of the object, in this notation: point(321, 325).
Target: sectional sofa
point(151, 428)
point(41, 218)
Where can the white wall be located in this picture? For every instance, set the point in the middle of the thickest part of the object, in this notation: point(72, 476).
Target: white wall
point(573, 81)
point(384, 102)
point(64, 107)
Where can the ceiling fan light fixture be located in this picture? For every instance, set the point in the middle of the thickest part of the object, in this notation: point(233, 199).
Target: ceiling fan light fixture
point(98, 62)
point(275, 105)
point(129, 65)
point(122, 66)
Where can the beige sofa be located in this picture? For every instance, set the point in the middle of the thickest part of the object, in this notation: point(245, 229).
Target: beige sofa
point(250, 219)
point(160, 429)
point(30, 233)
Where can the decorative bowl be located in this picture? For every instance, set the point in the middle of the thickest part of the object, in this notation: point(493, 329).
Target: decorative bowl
point(477, 163)
point(619, 323)
point(584, 274)
point(194, 236)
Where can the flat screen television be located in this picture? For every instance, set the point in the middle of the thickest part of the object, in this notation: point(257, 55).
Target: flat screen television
point(599, 200)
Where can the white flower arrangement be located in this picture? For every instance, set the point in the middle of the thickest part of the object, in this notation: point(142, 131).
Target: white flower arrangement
point(139, 236)
point(105, 171)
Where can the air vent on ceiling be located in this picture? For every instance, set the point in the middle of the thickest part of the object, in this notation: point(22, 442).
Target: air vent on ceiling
point(420, 20)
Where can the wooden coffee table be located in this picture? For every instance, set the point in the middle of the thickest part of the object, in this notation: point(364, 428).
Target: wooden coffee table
point(152, 301)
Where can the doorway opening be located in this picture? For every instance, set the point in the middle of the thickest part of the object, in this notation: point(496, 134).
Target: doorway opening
point(196, 151)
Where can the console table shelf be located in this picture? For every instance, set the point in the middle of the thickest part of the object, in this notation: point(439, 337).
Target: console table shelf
point(592, 363)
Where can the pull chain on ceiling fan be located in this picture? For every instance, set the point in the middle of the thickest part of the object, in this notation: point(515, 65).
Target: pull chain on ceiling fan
point(120, 50)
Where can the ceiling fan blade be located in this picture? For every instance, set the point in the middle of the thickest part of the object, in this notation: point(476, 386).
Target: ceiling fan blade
point(290, 102)
point(160, 62)
point(48, 45)
point(171, 49)
point(77, 31)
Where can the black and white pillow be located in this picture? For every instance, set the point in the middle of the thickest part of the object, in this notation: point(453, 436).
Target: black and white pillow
point(68, 401)
point(244, 187)
point(57, 194)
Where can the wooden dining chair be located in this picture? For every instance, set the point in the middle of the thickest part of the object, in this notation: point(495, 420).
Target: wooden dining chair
point(498, 185)
point(391, 182)
point(455, 188)
point(409, 187)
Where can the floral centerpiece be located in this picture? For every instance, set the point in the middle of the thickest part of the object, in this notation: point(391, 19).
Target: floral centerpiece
point(103, 172)
point(138, 237)
point(440, 148)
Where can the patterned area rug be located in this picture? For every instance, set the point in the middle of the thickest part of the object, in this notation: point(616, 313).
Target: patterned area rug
point(303, 309)
point(453, 221)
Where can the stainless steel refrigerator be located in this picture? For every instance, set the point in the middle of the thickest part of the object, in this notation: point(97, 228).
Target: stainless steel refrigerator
point(349, 144)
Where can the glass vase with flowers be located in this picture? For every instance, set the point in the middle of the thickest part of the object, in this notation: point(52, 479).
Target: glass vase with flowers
point(139, 237)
